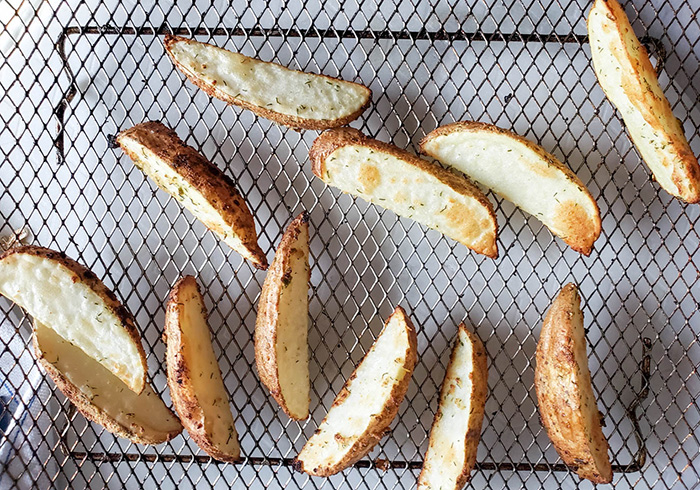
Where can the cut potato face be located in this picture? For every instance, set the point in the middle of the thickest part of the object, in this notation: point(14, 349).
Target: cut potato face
point(407, 185)
point(281, 329)
point(456, 431)
point(292, 98)
point(369, 401)
point(196, 387)
point(197, 184)
point(102, 397)
point(522, 172)
point(629, 80)
point(565, 391)
point(68, 298)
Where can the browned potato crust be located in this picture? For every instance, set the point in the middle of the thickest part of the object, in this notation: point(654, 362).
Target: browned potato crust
point(226, 212)
point(565, 391)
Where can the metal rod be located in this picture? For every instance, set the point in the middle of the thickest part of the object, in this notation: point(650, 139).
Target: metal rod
point(422, 34)
point(378, 464)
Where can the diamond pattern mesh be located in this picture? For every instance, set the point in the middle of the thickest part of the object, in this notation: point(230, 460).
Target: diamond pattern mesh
point(74, 73)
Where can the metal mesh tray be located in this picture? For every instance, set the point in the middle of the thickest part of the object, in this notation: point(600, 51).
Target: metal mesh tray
point(520, 65)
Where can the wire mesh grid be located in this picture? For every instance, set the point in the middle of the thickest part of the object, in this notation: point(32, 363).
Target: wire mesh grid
point(74, 74)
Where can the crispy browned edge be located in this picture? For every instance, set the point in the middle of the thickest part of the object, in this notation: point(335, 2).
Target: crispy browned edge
point(217, 187)
point(333, 139)
point(582, 246)
point(92, 412)
point(556, 329)
point(689, 168)
point(480, 382)
point(85, 275)
point(268, 313)
point(293, 122)
point(184, 398)
point(379, 425)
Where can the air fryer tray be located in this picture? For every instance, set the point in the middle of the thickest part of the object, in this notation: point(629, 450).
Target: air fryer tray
point(520, 66)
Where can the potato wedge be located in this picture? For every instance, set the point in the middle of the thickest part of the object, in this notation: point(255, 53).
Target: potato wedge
point(456, 430)
point(565, 391)
point(629, 80)
point(281, 329)
point(522, 172)
point(102, 397)
point(292, 98)
point(196, 386)
point(197, 184)
point(407, 185)
point(369, 401)
point(68, 298)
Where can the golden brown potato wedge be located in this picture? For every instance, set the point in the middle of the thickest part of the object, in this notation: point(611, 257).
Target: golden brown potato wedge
point(288, 97)
point(369, 401)
point(407, 185)
point(102, 397)
point(522, 172)
point(196, 386)
point(629, 80)
point(68, 298)
point(456, 431)
point(281, 329)
point(197, 184)
point(565, 391)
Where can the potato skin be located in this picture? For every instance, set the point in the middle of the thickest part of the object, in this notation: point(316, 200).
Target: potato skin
point(379, 425)
point(333, 139)
point(583, 237)
point(293, 122)
point(217, 187)
point(479, 394)
point(93, 413)
point(565, 392)
point(268, 314)
point(638, 80)
point(182, 393)
point(86, 276)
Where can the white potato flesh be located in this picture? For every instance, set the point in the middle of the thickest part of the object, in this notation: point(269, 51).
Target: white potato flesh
point(269, 85)
point(629, 81)
point(390, 182)
point(143, 413)
point(456, 432)
point(292, 330)
point(56, 297)
point(186, 194)
point(527, 177)
point(375, 378)
point(205, 380)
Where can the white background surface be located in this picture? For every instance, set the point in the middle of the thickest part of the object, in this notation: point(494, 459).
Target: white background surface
point(639, 281)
